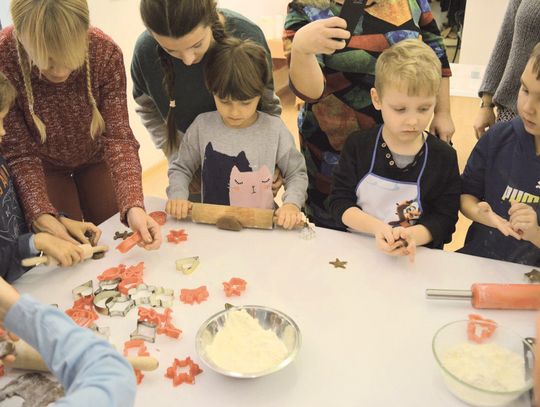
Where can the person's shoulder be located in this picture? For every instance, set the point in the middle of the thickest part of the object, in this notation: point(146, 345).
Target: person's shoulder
point(145, 44)
point(270, 119)
point(8, 49)
point(240, 26)
point(102, 46)
point(499, 135)
point(361, 139)
point(206, 119)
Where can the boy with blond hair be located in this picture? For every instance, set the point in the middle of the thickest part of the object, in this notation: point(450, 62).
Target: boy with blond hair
point(15, 243)
point(501, 182)
point(396, 181)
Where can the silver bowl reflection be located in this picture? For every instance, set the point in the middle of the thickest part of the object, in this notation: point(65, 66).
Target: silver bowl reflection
point(282, 325)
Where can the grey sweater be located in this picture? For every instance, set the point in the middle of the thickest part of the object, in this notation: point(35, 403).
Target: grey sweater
point(519, 33)
point(238, 164)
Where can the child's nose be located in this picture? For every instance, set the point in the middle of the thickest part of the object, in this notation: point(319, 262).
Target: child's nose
point(188, 58)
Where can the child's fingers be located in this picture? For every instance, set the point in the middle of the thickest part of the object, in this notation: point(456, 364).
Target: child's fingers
point(412, 250)
point(96, 233)
point(521, 217)
point(510, 231)
point(517, 207)
point(389, 236)
point(184, 209)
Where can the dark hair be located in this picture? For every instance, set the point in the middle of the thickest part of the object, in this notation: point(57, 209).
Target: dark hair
point(237, 69)
point(535, 58)
point(176, 18)
point(7, 93)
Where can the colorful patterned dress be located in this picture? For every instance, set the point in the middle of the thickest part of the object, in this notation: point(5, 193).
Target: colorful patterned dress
point(345, 105)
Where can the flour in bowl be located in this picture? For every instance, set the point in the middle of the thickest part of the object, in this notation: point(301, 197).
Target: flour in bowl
point(242, 345)
point(486, 366)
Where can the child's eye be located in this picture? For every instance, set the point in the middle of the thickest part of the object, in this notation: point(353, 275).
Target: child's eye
point(246, 102)
point(224, 102)
point(423, 109)
point(525, 90)
point(399, 109)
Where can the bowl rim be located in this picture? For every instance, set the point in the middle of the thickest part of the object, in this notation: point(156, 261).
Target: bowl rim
point(290, 357)
point(528, 386)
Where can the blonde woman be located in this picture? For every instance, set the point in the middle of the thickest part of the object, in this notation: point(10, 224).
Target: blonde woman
point(68, 142)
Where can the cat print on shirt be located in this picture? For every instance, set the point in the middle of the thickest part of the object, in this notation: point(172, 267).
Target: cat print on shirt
point(251, 189)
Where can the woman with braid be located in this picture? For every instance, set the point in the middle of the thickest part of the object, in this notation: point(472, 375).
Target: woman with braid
point(68, 144)
point(167, 66)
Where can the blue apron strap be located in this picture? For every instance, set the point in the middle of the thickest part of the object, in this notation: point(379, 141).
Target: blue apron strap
point(375, 149)
point(422, 173)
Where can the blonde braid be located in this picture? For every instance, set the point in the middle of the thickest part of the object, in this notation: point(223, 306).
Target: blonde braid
point(97, 126)
point(25, 66)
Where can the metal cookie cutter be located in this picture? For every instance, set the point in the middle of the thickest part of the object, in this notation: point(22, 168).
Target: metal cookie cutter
point(187, 265)
point(162, 297)
point(119, 306)
point(108, 285)
point(102, 299)
point(103, 331)
point(533, 276)
point(308, 231)
point(145, 331)
point(6, 348)
point(84, 290)
point(141, 294)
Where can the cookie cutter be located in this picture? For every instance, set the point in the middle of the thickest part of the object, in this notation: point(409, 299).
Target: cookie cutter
point(83, 290)
point(308, 231)
point(187, 265)
point(102, 331)
point(162, 297)
point(102, 299)
point(178, 377)
point(119, 305)
point(533, 276)
point(141, 294)
point(146, 331)
point(6, 348)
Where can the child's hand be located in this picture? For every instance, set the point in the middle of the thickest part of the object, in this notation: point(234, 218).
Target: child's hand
point(288, 216)
point(396, 241)
point(178, 208)
point(524, 221)
point(49, 224)
point(64, 252)
point(140, 222)
point(497, 221)
point(78, 230)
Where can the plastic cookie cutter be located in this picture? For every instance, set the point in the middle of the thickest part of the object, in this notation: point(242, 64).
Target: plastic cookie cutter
point(163, 321)
point(159, 216)
point(141, 294)
point(187, 265)
point(308, 231)
point(183, 377)
point(234, 287)
point(141, 351)
point(102, 299)
point(82, 312)
point(196, 295)
point(162, 297)
point(480, 329)
point(84, 290)
point(145, 331)
point(177, 236)
point(119, 306)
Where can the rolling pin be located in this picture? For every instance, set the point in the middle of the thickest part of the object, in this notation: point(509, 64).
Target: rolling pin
point(88, 251)
point(234, 217)
point(494, 296)
point(28, 358)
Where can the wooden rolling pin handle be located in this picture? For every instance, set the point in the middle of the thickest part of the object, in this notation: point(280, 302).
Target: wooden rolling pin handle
point(144, 363)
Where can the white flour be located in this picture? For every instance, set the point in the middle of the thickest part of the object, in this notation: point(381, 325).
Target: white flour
point(486, 366)
point(242, 345)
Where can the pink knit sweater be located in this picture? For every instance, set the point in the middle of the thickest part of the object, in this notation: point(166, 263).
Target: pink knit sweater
point(67, 114)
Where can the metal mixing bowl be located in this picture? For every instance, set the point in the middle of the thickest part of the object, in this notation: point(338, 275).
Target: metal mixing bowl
point(283, 326)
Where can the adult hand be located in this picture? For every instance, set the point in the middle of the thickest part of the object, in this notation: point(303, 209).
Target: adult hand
point(64, 252)
point(442, 126)
point(485, 118)
point(50, 224)
point(288, 216)
point(80, 230)
point(321, 37)
point(139, 221)
point(178, 208)
point(497, 221)
point(524, 221)
point(277, 181)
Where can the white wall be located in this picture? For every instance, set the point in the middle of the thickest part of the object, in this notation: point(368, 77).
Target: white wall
point(483, 19)
point(5, 18)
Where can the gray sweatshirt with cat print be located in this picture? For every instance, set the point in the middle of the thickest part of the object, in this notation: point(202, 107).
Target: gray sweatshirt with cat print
point(237, 165)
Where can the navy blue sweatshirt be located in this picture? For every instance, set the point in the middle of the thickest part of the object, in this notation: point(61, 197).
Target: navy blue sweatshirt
point(14, 236)
point(502, 168)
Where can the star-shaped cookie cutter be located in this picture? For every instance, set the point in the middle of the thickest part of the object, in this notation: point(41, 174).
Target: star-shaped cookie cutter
point(183, 377)
point(187, 265)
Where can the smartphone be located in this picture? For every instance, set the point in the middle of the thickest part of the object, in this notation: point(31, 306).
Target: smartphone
point(351, 11)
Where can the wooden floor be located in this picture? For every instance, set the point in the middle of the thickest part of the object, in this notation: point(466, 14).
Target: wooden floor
point(463, 111)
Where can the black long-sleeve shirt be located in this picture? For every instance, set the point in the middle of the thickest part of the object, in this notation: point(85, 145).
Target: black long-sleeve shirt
point(14, 239)
point(440, 185)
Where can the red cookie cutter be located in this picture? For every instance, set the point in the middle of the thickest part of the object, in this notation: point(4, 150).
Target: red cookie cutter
point(125, 246)
point(82, 312)
point(234, 287)
point(196, 295)
point(177, 236)
point(163, 321)
point(183, 377)
point(480, 329)
point(140, 346)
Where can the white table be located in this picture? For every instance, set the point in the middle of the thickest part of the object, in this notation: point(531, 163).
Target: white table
point(366, 330)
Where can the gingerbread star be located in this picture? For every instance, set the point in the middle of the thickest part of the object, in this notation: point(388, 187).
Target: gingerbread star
point(338, 263)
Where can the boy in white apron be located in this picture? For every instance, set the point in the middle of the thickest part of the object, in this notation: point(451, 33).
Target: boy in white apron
point(396, 181)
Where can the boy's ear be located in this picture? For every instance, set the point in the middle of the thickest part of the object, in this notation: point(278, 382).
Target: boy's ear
point(375, 99)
